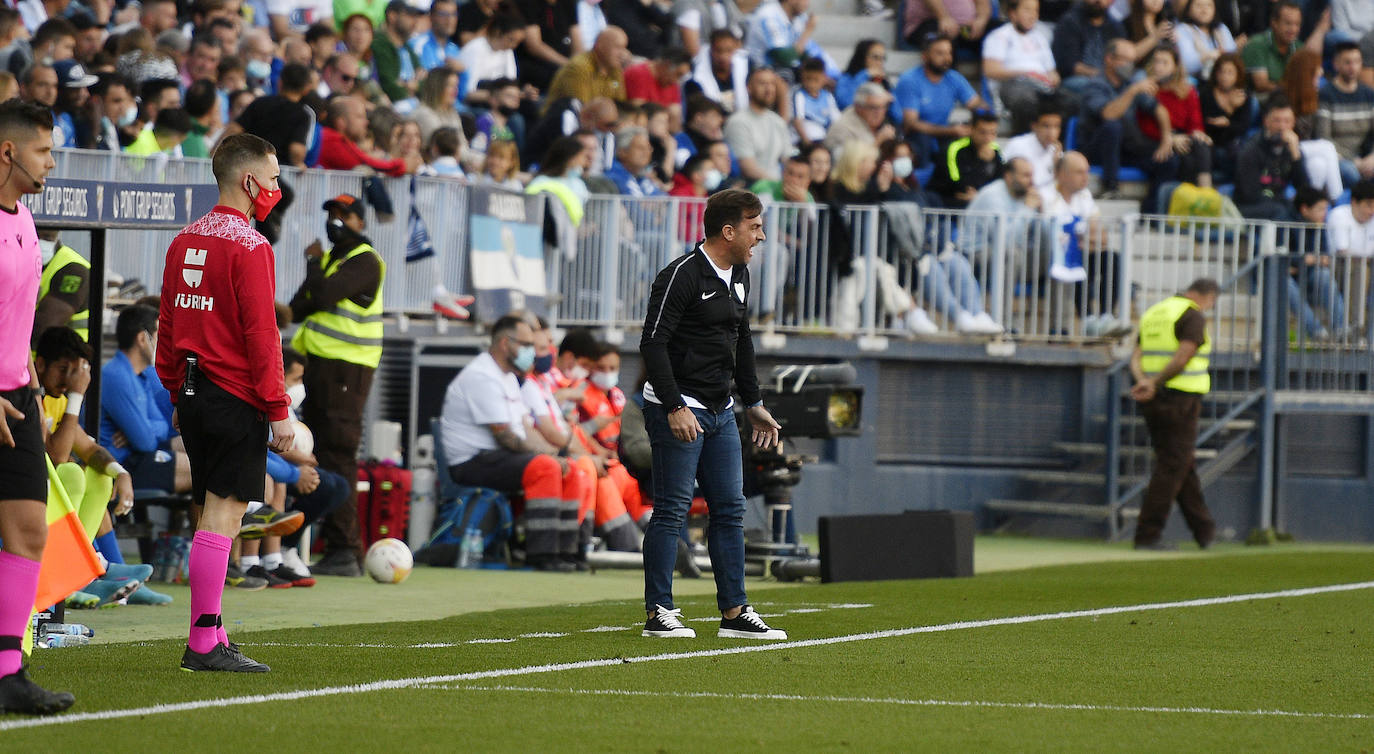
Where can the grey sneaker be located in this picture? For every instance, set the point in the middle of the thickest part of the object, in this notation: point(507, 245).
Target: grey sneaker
point(338, 563)
point(240, 580)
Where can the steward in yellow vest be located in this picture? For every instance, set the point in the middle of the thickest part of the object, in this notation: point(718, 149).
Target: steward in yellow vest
point(339, 308)
point(1170, 370)
point(63, 290)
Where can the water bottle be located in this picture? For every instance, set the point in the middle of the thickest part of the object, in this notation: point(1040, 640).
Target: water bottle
point(470, 551)
point(69, 629)
point(54, 641)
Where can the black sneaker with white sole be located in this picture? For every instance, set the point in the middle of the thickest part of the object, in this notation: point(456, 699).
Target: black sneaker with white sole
point(667, 624)
point(19, 694)
point(221, 658)
point(748, 625)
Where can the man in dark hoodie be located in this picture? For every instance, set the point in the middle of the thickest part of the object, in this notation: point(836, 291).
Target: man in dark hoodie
point(1269, 164)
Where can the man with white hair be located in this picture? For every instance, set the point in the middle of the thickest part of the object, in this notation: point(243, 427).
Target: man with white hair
point(864, 122)
point(633, 156)
point(257, 51)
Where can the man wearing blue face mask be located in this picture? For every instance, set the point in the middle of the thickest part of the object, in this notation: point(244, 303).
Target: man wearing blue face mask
point(339, 306)
point(485, 433)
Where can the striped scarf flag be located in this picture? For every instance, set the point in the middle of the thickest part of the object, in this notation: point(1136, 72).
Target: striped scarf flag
point(418, 243)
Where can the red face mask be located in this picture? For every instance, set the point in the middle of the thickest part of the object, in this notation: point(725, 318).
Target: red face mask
point(264, 201)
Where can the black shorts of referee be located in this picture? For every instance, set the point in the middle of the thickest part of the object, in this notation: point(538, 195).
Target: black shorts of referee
point(226, 443)
point(23, 472)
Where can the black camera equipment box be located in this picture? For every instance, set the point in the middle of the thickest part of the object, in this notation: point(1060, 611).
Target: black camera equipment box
point(909, 545)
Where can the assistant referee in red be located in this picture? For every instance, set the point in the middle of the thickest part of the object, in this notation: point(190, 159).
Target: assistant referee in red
point(220, 357)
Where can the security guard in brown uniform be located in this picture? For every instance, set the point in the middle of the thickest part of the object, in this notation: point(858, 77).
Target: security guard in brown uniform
point(339, 307)
point(1170, 370)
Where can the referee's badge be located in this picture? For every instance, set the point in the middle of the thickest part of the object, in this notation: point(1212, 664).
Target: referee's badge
point(739, 292)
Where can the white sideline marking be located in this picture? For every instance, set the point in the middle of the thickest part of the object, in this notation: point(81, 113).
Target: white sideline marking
point(600, 629)
point(922, 702)
point(405, 683)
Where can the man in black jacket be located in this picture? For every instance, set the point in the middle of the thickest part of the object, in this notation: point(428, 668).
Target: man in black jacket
point(1269, 164)
point(696, 341)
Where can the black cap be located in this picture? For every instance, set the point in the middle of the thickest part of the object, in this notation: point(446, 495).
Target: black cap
point(401, 6)
point(346, 203)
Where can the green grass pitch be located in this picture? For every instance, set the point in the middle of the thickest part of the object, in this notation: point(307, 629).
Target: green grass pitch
point(1017, 660)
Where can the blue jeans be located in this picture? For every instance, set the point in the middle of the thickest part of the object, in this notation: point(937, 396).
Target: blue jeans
point(951, 287)
point(1322, 290)
point(714, 462)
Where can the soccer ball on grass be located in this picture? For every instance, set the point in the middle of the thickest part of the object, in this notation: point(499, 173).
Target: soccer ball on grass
point(388, 561)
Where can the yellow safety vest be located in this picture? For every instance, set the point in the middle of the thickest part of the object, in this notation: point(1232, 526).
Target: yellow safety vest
point(559, 189)
point(1158, 343)
point(347, 332)
point(65, 255)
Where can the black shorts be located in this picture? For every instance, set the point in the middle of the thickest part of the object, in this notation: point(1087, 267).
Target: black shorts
point(226, 443)
point(153, 471)
point(23, 472)
point(499, 469)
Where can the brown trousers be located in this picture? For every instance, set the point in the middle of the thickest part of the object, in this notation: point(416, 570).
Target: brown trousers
point(335, 393)
point(1172, 419)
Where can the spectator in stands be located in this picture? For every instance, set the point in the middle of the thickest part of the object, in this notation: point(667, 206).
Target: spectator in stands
point(501, 167)
point(1080, 42)
point(112, 109)
point(1351, 227)
point(165, 135)
point(339, 75)
point(1266, 55)
point(597, 73)
point(441, 153)
point(1228, 112)
point(697, 20)
point(659, 80)
point(560, 174)
point(1300, 83)
point(864, 122)
point(258, 54)
point(1041, 146)
point(438, 96)
point(72, 97)
point(398, 67)
point(1310, 271)
point(135, 410)
point(284, 120)
point(1010, 199)
point(54, 41)
point(818, 156)
point(703, 123)
point(868, 63)
point(566, 117)
point(345, 126)
point(1149, 25)
point(647, 26)
point(1202, 38)
point(358, 34)
point(472, 17)
point(1345, 115)
point(780, 33)
point(324, 43)
point(964, 20)
point(491, 53)
point(202, 61)
point(502, 122)
point(202, 106)
point(487, 443)
point(1172, 143)
point(758, 137)
point(630, 171)
point(927, 95)
point(438, 48)
point(968, 164)
point(1079, 254)
point(814, 109)
point(39, 85)
point(1018, 61)
point(15, 52)
point(723, 73)
point(155, 95)
point(1109, 106)
point(551, 39)
point(157, 16)
point(718, 152)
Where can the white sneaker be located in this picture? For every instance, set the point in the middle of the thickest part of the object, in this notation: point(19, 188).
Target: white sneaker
point(291, 558)
point(876, 9)
point(918, 322)
point(966, 323)
point(986, 324)
point(451, 305)
point(667, 624)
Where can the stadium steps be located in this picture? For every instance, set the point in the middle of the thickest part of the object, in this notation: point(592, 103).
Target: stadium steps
point(1044, 507)
point(1099, 449)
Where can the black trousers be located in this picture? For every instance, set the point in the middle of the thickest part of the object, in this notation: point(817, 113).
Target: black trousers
point(1172, 418)
point(335, 393)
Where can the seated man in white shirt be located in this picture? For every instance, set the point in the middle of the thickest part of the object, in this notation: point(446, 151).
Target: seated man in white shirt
point(487, 443)
point(1040, 146)
point(1017, 59)
point(1078, 251)
point(1350, 229)
point(491, 55)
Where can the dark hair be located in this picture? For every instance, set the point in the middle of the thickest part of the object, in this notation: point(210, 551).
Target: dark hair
point(174, 120)
point(502, 24)
point(858, 62)
point(203, 40)
point(444, 141)
point(29, 73)
point(291, 356)
point(580, 343)
point(1205, 286)
point(505, 327)
point(53, 28)
point(1341, 47)
point(132, 321)
point(106, 80)
point(560, 153)
point(21, 121)
point(1308, 196)
point(721, 34)
point(984, 116)
point(797, 159)
point(61, 342)
point(698, 104)
point(1276, 101)
point(229, 64)
point(674, 55)
point(1048, 107)
point(318, 31)
point(729, 207)
point(694, 163)
point(1279, 7)
point(495, 85)
point(295, 77)
point(1362, 191)
point(1233, 59)
point(152, 89)
point(9, 18)
point(813, 65)
point(650, 109)
point(234, 153)
point(200, 99)
point(604, 349)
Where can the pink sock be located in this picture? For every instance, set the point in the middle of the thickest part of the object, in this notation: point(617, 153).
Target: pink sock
point(19, 584)
point(208, 563)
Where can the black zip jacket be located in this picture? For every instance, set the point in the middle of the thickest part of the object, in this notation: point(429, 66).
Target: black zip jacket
point(696, 335)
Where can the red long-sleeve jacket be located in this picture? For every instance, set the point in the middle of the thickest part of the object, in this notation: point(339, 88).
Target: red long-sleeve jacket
point(338, 153)
point(219, 302)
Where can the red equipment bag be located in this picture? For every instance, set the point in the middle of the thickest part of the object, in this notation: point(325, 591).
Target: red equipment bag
point(384, 507)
